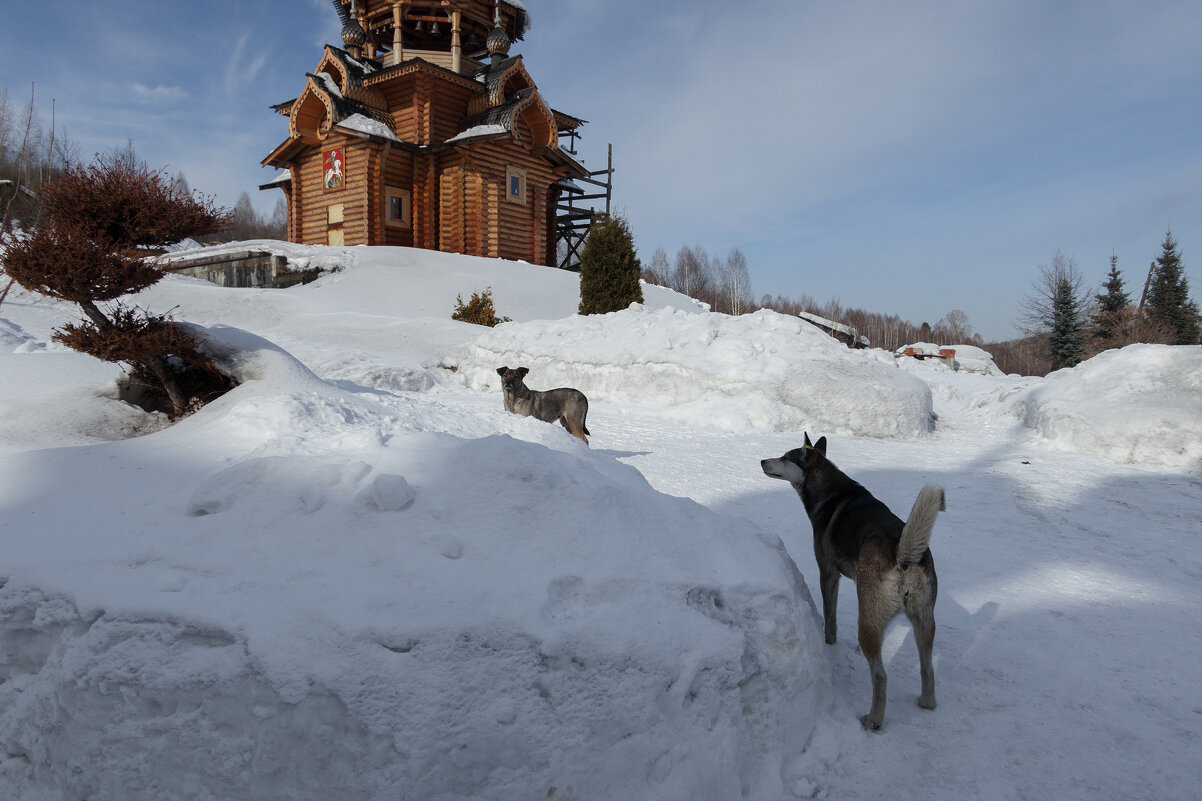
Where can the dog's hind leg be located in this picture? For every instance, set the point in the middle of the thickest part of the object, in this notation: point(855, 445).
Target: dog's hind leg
point(870, 645)
point(576, 431)
point(924, 635)
point(919, 588)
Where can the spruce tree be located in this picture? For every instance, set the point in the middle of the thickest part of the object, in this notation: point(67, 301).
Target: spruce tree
point(1113, 304)
point(1057, 311)
point(1067, 335)
point(609, 268)
point(1168, 300)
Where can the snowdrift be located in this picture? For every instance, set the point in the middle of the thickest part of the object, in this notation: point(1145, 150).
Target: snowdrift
point(762, 370)
point(308, 592)
point(1142, 403)
point(355, 576)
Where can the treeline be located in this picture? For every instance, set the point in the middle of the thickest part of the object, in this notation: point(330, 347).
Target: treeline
point(245, 222)
point(1063, 323)
point(1072, 323)
point(31, 154)
point(725, 284)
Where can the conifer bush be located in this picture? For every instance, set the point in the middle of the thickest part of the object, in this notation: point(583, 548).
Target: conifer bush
point(609, 268)
point(478, 311)
point(92, 249)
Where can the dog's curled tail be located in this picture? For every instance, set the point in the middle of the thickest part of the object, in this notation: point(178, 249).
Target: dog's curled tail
point(917, 534)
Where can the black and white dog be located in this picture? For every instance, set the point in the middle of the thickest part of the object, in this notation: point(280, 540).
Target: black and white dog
point(857, 536)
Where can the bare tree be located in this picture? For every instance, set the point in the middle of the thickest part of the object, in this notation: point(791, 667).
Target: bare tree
point(958, 329)
point(736, 282)
point(656, 271)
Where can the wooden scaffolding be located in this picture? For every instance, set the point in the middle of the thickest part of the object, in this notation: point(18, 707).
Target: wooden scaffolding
point(578, 207)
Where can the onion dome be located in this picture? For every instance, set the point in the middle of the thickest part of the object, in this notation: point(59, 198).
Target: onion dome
point(352, 34)
point(498, 42)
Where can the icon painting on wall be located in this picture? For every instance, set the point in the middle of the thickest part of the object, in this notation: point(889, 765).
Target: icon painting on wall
point(333, 168)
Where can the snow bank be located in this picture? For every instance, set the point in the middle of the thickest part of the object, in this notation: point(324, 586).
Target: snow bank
point(762, 370)
point(969, 358)
point(1142, 403)
point(309, 591)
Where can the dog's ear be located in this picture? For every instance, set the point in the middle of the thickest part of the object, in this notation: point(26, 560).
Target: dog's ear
point(523, 371)
point(808, 444)
point(502, 370)
point(820, 445)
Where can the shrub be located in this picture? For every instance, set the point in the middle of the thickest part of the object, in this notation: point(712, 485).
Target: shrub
point(478, 311)
point(91, 251)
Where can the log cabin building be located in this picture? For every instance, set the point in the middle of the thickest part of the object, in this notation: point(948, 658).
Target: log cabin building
point(423, 131)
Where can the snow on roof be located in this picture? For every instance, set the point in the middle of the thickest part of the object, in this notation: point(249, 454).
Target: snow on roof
point(520, 6)
point(358, 122)
point(479, 130)
point(282, 177)
point(330, 84)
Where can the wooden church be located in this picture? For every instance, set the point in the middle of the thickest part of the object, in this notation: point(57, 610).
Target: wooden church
point(423, 131)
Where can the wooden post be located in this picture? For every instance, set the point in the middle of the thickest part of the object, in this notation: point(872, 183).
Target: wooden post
point(456, 49)
point(398, 47)
point(371, 40)
point(1147, 285)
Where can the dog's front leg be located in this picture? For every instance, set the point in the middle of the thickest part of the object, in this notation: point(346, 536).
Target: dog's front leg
point(828, 577)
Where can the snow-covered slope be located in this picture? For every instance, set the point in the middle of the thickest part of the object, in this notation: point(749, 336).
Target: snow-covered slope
point(356, 576)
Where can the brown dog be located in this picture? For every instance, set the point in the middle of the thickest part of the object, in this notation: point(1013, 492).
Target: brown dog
point(567, 405)
point(857, 536)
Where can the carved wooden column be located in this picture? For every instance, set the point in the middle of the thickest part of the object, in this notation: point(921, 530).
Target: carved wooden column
point(398, 48)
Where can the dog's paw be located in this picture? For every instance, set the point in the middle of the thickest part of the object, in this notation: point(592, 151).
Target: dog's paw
point(925, 702)
point(869, 724)
point(830, 638)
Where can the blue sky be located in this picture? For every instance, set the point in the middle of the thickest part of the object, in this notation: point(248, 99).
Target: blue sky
point(909, 158)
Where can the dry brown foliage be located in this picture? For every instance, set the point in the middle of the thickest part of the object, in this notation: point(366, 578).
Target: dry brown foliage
point(65, 263)
point(478, 311)
point(147, 342)
point(119, 200)
point(100, 219)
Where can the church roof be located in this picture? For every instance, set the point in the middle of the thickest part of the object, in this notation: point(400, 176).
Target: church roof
point(503, 114)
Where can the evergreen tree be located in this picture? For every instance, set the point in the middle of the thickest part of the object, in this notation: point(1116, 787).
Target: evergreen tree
point(1056, 312)
point(609, 268)
point(1168, 300)
point(1067, 335)
point(1113, 304)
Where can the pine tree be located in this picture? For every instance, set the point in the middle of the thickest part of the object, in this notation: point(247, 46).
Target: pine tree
point(1113, 304)
point(1168, 300)
point(609, 268)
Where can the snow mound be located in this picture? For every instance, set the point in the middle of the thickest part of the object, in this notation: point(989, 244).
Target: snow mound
point(971, 359)
point(763, 370)
point(333, 592)
point(1137, 404)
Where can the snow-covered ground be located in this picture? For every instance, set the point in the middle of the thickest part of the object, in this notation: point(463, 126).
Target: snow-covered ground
point(357, 577)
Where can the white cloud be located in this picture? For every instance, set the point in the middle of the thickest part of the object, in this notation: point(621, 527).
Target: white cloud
point(157, 94)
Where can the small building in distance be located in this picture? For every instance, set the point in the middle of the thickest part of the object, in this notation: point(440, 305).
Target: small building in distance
point(423, 131)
